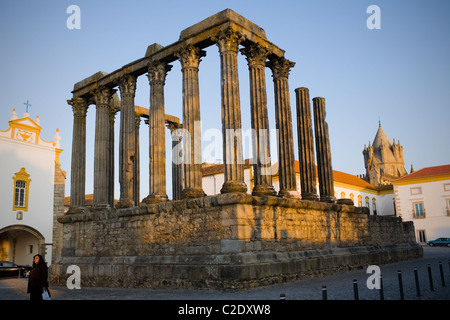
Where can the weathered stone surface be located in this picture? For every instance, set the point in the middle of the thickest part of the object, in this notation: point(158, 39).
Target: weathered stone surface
point(226, 241)
point(305, 145)
point(222, 17)
point(323, 151)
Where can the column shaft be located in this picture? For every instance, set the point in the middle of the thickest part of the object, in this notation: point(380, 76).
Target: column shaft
point(177, 162)
point(192, 148)
point(286, 158)
point(306, 145)
point(228, 42)
point(102, 148)
point(136, 163)
point(324, 167)
point(78, 167)
point(256, 57)
point(112, 118)
point(157, 75)
point(127, 148)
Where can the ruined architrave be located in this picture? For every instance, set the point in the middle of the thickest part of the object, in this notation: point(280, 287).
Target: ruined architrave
point(229, 240)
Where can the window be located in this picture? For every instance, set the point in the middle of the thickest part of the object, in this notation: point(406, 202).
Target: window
point(417, 190)
point(359, 201)
point(19, 200)
point(421, 236)
point(448, 207)
point(367, 202)
point(374, 207)
point(418, 210)
point(447, 187)
point(21, 190)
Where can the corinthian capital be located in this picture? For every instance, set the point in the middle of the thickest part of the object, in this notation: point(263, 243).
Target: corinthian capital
point(190, 56)
point(79, 106)
point(280, 67)
point(228, 40)
point(103, 95)
point(127, 84)
point(157, 71)
point(256, 55)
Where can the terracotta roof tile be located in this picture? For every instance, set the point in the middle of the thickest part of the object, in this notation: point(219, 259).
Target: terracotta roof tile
point(427, 172)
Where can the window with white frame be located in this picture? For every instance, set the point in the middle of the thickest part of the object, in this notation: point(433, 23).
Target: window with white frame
point(19, 199)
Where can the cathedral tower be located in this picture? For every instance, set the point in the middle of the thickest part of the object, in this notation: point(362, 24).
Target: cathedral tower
point(383, 160)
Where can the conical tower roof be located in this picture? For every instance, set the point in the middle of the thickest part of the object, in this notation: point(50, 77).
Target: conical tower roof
point(381, 138)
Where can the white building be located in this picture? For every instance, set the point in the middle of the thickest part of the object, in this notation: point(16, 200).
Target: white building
point(424, 197)
point(31, 190)
point(380, 200)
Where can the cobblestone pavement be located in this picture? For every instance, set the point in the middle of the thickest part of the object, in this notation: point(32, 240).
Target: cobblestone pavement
point(340, 286)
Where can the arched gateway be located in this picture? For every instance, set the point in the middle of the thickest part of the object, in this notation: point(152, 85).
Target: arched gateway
point(233, 239)
point(19, 243)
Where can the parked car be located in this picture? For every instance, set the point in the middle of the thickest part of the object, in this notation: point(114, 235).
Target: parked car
point(10, 269)
point(440, 242)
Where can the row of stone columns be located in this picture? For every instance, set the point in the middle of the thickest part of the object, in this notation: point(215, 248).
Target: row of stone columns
point(190, 56)
point(306, 148)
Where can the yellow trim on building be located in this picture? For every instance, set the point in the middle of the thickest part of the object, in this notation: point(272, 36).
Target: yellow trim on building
point(421, 180)
point(22, 175)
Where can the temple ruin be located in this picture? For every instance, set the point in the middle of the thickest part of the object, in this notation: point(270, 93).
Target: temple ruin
point(233, 239)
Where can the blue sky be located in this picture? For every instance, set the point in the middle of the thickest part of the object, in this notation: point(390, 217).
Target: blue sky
point(399, 74)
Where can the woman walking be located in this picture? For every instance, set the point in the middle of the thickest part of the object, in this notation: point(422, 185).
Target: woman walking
point(37, 280)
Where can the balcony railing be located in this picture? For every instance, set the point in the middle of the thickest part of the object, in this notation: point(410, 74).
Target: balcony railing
point(419, 215)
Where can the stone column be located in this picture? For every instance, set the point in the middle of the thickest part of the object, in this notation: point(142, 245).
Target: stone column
point(192, 142)
point(137, 161)
point(256, 57)
point(157, 72)
point(306, 145)
point(286, 159)
point(112, 119)
point(228, 43)
point(102, 152)
point(127, 147)
point(324, 168)
point(78, 167)
point(177, 163)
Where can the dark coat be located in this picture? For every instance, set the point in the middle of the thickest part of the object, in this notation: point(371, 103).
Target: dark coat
point(38, 278)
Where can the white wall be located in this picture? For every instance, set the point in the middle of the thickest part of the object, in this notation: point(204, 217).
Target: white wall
point(39, 163)
point(434, 197)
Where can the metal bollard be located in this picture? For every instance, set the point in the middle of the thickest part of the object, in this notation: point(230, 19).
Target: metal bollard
point(400, 285)
point(324, 293)
point(416, 277)
point(381, 288)
point(355, 289)
point(441, 270)
point(430, 277)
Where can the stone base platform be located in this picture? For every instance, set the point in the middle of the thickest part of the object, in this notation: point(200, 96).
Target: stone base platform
point(226, 241)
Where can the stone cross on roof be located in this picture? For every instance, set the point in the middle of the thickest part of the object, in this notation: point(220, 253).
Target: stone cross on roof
point(28, 104)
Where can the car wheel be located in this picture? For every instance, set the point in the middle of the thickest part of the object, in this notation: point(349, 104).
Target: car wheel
point(430, 244)
point(26, 273)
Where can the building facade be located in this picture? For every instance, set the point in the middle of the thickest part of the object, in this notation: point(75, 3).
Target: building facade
point(424, 198)
point(379, 199)
point(32, 190)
